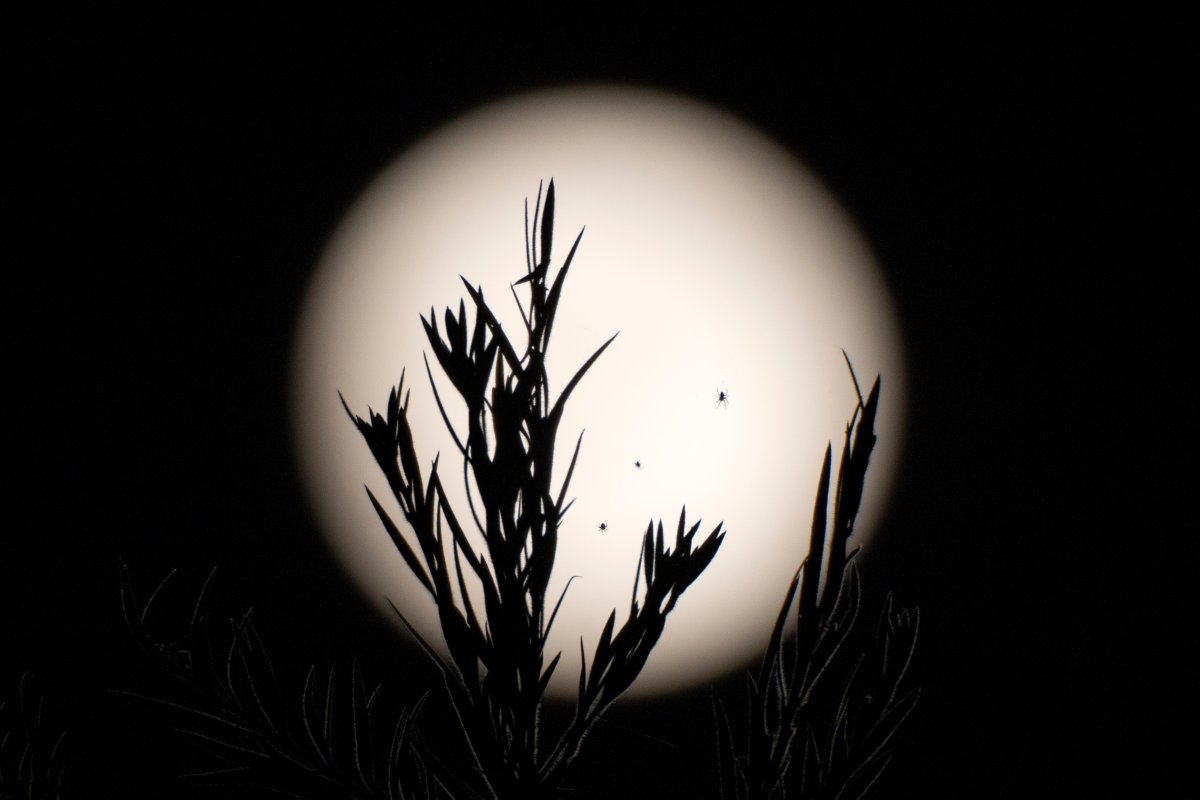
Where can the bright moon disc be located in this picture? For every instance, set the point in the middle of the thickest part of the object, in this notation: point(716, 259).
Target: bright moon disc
point(724, 265)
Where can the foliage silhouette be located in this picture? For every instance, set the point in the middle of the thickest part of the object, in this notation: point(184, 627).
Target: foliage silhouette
point(31, 752)
point(818, 702)
point(496, 675)
point(840, 735)
point(329, 741)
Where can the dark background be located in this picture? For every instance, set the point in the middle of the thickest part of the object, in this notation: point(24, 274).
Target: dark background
point(173, 179)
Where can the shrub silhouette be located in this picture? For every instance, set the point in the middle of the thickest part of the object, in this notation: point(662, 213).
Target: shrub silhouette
point(497, 673)
point(823, 711)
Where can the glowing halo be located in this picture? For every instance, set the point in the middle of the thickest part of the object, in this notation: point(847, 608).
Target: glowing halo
point(726, 267)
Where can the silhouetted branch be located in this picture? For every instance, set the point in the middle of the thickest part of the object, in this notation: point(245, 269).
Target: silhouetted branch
point(496, 675)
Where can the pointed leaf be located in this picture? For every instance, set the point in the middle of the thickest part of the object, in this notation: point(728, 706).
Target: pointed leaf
point(442, 409)
point(547, 225)
point(545, 680)
point(556, 413)
point(537, 209)
point(410, 557)
point(570, 471)
point(555, 294)
point(811, 567)
point(648, 555)
point(602, 646)
point(554, 613)
point(582, 671)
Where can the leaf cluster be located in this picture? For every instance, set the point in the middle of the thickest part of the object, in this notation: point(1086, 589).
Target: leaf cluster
point(497, 673)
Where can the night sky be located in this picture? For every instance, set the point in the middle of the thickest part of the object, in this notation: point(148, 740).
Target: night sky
point(175, 177)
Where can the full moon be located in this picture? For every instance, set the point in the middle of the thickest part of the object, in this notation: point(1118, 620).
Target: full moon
point(735, 282)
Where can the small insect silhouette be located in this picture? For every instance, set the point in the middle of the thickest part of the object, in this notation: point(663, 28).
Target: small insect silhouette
point(603, 526)
point(723, 398)
point(637, 464)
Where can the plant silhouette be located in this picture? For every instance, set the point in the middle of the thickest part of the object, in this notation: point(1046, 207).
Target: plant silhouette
point(839, 734)
point(330, 739)
point(824, 706)
point(497, 674)
point(31, 751)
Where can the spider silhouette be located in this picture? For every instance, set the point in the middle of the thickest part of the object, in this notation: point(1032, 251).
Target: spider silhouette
point(722, 398)
point(603, 526)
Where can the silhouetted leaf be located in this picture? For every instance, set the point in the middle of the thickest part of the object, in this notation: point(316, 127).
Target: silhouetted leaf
point(548, 224)
point(556, 413)
point(808, 617)
point(555, 294)
point(545, 680)
point(442, 409)
point(406, 551)
point(570, 471)
point(605, 641)
point(648, 555)
point(554, 613)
